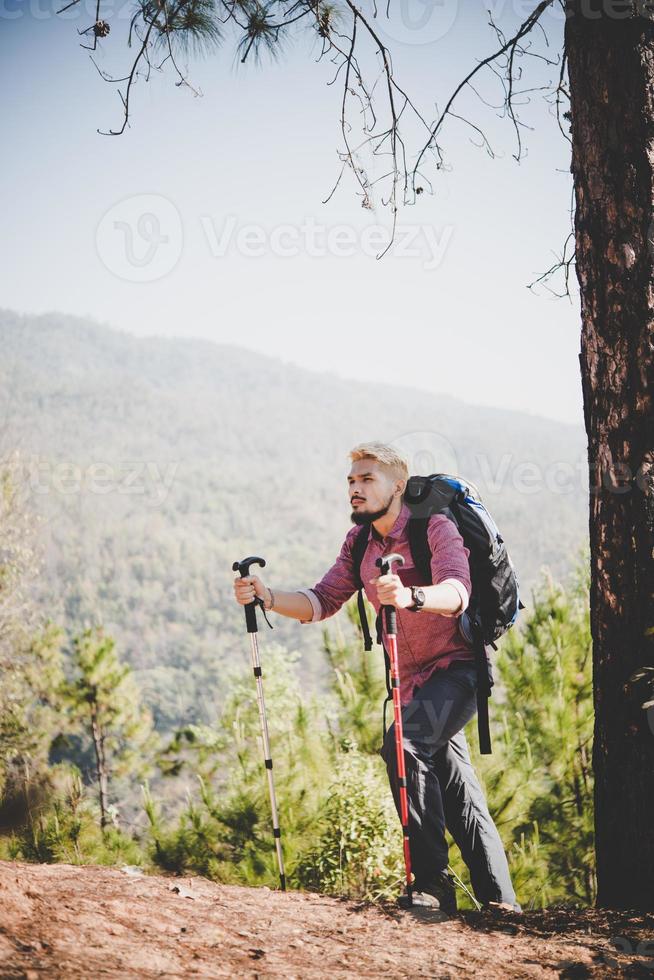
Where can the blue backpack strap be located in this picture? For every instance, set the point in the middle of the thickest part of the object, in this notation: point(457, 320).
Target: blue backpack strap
point(358, 551)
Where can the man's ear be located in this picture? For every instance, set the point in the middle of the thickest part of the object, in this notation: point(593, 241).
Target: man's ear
point(400, 487)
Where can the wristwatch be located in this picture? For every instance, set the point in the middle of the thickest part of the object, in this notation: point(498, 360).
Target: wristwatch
point(418, 596)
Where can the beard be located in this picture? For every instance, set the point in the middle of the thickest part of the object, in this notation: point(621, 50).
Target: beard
point(370, 517)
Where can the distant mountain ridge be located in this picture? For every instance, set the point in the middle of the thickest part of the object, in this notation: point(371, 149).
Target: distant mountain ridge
point(159, 461)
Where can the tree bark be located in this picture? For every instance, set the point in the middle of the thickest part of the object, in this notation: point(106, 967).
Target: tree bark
point(611, 73)
point(101, 769)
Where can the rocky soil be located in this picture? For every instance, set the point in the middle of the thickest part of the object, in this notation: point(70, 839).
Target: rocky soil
point(67, 922)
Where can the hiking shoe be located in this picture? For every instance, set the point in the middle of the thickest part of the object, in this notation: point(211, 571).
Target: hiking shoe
point(436, 893)
point(503, 907)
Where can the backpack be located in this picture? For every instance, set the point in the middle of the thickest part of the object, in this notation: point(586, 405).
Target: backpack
point(494, 600)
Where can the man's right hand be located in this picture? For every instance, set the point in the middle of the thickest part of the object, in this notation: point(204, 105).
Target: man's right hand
point(246, 589)
point(296, 605)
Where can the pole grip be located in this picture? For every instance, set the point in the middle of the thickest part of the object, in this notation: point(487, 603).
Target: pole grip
point(251, 617)
point(385, 566)
point(391, 620)
point(243, 568)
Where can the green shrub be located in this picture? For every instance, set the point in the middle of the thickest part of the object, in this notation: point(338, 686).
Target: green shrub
point(65, 828)
point(357, 850)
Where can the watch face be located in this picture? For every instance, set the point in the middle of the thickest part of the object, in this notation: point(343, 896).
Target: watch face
point(419, 597)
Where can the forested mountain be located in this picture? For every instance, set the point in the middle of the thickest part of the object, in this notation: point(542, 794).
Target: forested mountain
point(156, 462)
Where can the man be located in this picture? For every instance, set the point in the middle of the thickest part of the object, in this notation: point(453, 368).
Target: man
point(437, 676)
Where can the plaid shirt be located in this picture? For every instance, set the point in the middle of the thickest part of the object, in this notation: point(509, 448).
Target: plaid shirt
point(426, 641)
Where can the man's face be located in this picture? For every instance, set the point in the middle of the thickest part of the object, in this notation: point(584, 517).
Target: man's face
point(372, 489)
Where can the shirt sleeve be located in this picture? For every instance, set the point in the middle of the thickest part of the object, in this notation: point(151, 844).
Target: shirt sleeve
point(449, 559)
point(336, 586)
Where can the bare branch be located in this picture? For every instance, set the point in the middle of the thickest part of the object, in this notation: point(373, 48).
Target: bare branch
point(508, 46)
point(373, 111)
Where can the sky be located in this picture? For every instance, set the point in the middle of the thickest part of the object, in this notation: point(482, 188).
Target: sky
point(206, 218)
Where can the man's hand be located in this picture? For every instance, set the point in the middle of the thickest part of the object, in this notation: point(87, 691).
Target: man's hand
point(246, 589)
point(391, 592)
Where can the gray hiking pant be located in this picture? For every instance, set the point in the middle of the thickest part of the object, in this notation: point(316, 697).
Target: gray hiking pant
point(443, 788)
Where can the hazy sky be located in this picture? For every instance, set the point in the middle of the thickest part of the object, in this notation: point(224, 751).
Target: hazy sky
point(206, 217)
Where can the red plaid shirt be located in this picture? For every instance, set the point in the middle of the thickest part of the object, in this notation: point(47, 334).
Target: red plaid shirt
point(426, 641)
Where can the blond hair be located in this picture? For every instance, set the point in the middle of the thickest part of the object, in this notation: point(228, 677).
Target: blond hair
point(383, 454)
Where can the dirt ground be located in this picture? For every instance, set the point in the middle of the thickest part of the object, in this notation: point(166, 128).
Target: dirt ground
point(64, 921)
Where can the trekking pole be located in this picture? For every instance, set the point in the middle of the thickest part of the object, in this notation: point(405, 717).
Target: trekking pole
point(385, 564)
point(243, 567)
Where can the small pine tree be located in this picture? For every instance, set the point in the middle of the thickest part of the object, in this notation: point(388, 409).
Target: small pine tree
point(30, 655)
point(104, 701)
point(29, 702)
point(225, 830)
point(357, 683)
point(356, 849)
point(540, 781)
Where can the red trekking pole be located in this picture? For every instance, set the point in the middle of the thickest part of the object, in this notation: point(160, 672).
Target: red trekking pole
point(385, 564)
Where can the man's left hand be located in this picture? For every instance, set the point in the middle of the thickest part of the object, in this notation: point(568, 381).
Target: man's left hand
point(391, 592)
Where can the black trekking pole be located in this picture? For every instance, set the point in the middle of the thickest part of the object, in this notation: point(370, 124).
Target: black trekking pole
point(385, 565)
point(243, 567)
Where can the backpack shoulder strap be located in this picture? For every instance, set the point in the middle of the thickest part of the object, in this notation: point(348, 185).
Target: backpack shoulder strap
point(358, 551)
point(419, 545)
point(484, 683)
point(419, 541)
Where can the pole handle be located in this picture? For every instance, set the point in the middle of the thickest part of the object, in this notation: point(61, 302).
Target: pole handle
point(385, 565)
point(391, 620)
point(243, 568)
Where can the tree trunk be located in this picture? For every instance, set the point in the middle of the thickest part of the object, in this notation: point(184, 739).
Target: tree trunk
point(611, 72)
point(101, 769)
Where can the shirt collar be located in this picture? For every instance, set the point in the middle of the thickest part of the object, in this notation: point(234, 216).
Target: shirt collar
point(398, 527)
